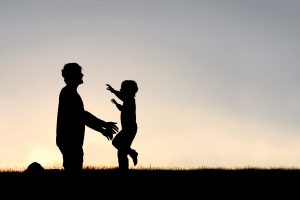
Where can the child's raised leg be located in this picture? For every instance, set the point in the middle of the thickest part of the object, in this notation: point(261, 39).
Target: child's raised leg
point(134, 155)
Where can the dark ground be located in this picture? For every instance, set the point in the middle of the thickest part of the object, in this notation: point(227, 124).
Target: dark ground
point(157, 184)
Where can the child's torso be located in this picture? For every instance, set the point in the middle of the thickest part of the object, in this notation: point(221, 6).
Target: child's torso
point(128, 114)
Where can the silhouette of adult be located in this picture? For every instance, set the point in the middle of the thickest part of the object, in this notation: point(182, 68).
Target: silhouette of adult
point(72, 119)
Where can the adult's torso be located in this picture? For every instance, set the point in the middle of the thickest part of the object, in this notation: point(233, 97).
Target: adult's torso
point(70, 118)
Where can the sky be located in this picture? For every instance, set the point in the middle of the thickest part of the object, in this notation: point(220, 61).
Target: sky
point(218, 80)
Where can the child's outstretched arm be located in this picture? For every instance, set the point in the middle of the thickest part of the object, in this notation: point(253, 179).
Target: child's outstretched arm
point(117, 93)
point(119, 106)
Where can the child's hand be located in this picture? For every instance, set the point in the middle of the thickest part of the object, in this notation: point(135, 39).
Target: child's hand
point(114, 101)
point(109, 88)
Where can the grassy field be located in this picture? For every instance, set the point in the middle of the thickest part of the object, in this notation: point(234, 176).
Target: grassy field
point(154, 183)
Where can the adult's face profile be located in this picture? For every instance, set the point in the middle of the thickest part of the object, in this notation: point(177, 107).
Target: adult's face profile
point(72, 73)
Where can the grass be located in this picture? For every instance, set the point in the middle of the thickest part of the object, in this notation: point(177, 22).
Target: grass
point(173, 170)
point(169, 182)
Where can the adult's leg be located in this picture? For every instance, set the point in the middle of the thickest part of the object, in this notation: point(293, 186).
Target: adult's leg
point(72, 159)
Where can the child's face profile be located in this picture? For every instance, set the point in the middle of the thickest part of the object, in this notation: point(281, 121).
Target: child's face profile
point(124, 89)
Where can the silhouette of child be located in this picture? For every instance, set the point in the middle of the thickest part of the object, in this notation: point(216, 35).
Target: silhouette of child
point(123, 140)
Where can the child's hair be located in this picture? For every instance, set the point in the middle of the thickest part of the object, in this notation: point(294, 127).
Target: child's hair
point(130, 87)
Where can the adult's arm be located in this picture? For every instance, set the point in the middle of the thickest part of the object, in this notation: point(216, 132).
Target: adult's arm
point(106, 128)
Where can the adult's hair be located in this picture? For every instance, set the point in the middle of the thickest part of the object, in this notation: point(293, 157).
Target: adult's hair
point(70, 71)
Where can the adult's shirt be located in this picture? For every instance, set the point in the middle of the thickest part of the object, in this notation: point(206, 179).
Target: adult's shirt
point(70, 118)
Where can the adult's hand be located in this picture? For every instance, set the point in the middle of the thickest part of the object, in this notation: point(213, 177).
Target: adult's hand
point(108, 134)
point(112, 127)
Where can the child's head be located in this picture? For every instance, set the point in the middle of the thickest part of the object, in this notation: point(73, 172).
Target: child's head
point(129, 88)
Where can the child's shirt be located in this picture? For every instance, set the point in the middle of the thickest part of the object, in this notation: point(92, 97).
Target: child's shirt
point(128, 114)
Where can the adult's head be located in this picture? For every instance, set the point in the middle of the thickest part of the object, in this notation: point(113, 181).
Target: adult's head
point(71, 73)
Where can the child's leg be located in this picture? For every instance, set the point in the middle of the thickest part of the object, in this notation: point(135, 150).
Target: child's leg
point(123, 160)
point(117, 141)
point(133, 154)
